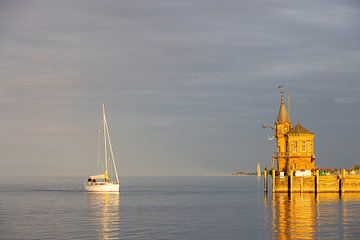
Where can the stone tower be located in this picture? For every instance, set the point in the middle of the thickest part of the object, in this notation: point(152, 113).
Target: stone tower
point(282, 126)
point(295, 146)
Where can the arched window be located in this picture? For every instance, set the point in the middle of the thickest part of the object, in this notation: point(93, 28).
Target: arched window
point(303, 146)
point(294, 146)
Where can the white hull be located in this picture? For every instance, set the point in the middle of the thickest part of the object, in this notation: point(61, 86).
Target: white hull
point(108, 187)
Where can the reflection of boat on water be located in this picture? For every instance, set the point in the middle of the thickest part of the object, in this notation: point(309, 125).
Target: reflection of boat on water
point(106, 209)
point(104, 182)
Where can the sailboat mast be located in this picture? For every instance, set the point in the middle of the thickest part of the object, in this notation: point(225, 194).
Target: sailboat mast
point(111, 151)
point(105, 139)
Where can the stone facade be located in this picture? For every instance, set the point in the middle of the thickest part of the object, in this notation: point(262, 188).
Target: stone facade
point(317, 184)
point(294, 145)
point(295, 156)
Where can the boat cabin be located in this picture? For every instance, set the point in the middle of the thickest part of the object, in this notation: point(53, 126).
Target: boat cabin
point(98, 179)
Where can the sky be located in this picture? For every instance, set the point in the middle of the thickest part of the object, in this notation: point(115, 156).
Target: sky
point(187, 84)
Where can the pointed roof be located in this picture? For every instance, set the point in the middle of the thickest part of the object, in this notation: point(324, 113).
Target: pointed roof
point(283, 116)
point(299, 129)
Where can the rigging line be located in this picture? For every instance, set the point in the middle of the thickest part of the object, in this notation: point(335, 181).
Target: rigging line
point(105, 138)
point(111, 151)
point(98, 150)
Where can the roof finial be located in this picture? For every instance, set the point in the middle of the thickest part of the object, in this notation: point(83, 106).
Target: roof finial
point(289, 117)
point(282, 117)
point(282, 90)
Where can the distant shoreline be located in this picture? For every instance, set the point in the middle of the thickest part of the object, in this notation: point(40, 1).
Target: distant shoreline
point(241, 173)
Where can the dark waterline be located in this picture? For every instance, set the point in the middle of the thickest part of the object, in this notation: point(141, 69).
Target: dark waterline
point(189, 207)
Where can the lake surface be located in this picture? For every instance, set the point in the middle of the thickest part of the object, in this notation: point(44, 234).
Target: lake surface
point(189, 207)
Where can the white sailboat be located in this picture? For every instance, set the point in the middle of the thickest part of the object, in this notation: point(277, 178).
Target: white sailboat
point(258, 171)
point(105, 181)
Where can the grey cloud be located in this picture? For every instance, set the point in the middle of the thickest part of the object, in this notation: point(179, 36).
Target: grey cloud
point(198, 77)
point(347, 100)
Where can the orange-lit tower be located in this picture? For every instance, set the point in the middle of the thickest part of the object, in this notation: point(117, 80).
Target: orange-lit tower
point(295, 145)
point(281, 128)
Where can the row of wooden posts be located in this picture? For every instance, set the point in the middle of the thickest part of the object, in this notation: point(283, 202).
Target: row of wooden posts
point(290, 181)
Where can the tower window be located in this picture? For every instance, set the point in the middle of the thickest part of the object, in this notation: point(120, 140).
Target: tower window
point(303, 146)
point(294, 146)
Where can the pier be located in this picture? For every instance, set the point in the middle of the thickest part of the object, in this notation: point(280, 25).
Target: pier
point(315, 183)
point(296, 170)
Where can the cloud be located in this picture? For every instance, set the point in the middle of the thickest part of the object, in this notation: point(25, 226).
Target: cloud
point(303, 101)
point(169, 70)
point(347, 100)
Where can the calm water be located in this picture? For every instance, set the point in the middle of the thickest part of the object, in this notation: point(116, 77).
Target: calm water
point(172, 208)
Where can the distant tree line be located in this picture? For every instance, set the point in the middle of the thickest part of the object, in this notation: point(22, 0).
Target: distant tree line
point(356, 167)
point(245, 173)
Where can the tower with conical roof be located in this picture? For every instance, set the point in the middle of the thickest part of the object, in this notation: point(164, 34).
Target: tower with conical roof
point(295, 146)
point(282, 126)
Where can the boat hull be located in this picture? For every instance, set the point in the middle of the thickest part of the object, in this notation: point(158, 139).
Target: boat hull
point(108, 187)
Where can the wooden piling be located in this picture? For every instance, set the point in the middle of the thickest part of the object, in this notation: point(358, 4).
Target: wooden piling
point(273, 180)
point(265, 180)
point(342, 181)
point(290, 181)
point(316, 181)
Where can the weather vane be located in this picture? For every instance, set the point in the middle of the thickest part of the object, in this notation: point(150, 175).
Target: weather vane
point(282, 89)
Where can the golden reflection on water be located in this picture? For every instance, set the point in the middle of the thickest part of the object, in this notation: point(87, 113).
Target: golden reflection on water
point(106, 207)
point(348, 212)
point(310, 216)
point(293, 215)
